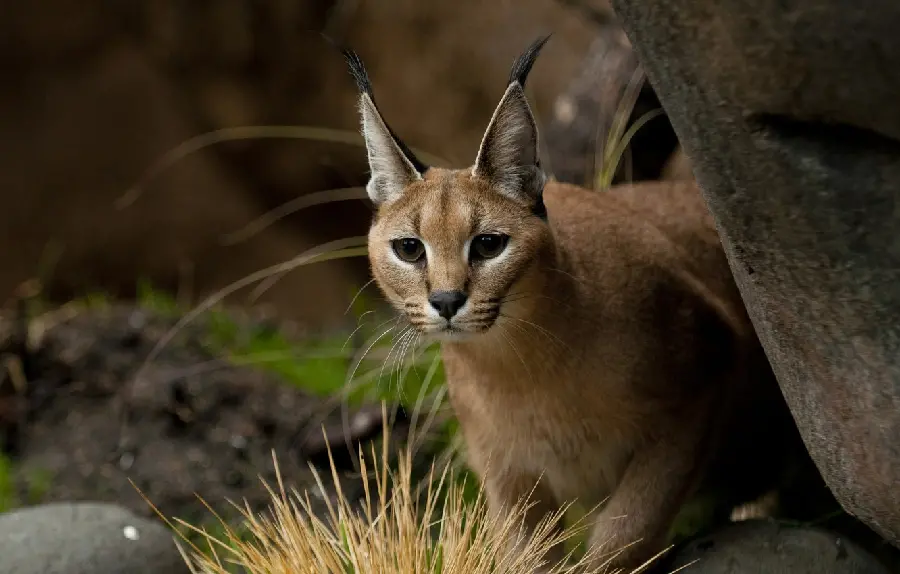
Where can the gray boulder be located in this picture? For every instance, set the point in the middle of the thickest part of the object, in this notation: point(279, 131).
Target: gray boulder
point(765, 547)
point(85, 538)
point(789, 113)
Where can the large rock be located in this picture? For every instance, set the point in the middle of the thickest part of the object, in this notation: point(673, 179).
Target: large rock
point(764, 547)
point(788, 111)
point(85, 538)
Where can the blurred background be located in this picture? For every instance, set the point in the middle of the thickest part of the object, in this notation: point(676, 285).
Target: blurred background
point(95, 92)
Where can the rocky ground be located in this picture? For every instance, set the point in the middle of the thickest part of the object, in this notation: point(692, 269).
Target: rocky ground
point(94, 421)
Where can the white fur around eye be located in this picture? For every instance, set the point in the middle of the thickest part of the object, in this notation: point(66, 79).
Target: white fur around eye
point(486, 262)
point(502, 257)
point(467, 246)
point(396, 258)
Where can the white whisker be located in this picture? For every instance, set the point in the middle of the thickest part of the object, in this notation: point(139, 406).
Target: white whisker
point(508, 338)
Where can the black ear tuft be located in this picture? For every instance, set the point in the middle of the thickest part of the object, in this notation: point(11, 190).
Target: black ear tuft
point(358, 71)
point(357, 68)
point(522, 67)
point(364, 85)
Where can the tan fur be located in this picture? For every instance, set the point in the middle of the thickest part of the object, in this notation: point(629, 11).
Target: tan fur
point(601, 356)
point(595, 374)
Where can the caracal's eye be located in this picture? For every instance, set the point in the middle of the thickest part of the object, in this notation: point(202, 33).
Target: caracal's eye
point(488, 245)
point(409, 249)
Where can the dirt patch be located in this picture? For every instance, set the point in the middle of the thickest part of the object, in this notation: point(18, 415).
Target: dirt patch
point(195, 423)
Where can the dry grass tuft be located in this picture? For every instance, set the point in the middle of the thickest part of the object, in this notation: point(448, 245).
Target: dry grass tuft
point(614, 149)
point(391, 531)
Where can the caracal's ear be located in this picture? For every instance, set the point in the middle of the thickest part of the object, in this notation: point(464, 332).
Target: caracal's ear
point(508, 157)
point(392, 164)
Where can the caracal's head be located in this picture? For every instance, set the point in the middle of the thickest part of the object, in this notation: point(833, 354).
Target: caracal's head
point(450, 247)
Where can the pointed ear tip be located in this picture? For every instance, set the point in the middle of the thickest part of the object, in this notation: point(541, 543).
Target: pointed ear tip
point(350, 57)
point(358, 71)
point(523, 64)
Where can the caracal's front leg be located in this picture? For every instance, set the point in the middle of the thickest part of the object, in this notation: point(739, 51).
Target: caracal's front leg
point(635, 521)
point(505, 490)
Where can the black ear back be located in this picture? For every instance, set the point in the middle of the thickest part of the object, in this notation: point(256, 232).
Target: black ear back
point(364, 85)
point(508, 156)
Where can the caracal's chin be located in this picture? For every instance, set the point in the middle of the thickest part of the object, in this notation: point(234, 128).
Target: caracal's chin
point(450, 333)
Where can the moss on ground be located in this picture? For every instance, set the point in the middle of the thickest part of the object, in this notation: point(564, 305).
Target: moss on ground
point(37, 484)
point(321, 365)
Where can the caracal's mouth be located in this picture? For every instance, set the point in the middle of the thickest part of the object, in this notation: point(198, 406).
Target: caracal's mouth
point(453, 332)
point(468, 324)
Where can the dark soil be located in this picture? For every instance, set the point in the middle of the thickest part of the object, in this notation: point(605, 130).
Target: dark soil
point(195, 424)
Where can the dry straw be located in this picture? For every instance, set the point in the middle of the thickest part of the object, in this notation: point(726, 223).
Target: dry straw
point(392, 530)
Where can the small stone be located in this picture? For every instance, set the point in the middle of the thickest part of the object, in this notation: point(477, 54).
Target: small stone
point(126, 460)
point(85, 538)
point(238, 442)
point(137, 320)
